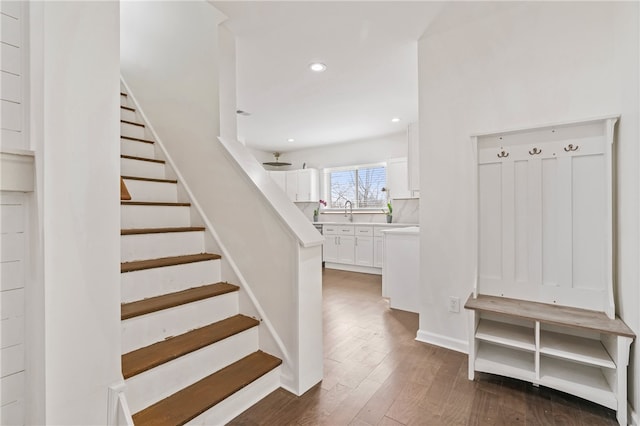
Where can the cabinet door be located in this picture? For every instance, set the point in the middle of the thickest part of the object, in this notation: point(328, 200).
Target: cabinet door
point(378, 252)
point(397, 180)
point(364, 251)
point(292, 184)
point(308, 185)
point(330, 248)
point(346, 249)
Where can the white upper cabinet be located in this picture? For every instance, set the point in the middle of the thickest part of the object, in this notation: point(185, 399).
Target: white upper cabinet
point(545, 214)
point(397, 178)
point(300, 185)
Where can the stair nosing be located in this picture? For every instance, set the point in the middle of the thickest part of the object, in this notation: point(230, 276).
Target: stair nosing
point(132, 157)
point(145, 179)
point(133, 123)
point(123, 94)
point(144, 231)
point(127, 108)
point(154, 204)
point(136, 139)
point(176, 347)
point(140, 265)
point(171, 300)
point(236, 369)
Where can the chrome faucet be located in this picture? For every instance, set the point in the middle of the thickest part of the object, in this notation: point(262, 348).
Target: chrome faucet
point(351, 210)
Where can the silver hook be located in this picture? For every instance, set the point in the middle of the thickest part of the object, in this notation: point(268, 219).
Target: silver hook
point(570, 148)
point(535, 151)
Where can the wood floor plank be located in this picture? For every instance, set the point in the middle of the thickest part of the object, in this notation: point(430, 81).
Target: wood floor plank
point(358, 321)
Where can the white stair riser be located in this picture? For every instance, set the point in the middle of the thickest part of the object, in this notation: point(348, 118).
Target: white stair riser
point(147, 283)
point(132, 216)
point(139, 168)
point(152, 246)
point(235, 404)
point(127, 114)
point(132, 130)
point(151, 328)
point(124, 100)
point(137, 149)
point(141, 190)
point(158, 383)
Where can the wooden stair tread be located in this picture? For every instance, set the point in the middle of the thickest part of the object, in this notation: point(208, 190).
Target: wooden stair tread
point(127, 108)
point(152, 160)
point(133, 123)
point(144, 359)
point(194, 400)
point(170, 300)
point(145, 179)
point(140, 265)
point(153, 203)
point(123, 94)
point(131, 138)
point(140, 231)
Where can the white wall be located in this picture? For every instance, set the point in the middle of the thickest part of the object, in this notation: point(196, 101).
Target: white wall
point(526, 64)
point(74, 309)
point(343, 154)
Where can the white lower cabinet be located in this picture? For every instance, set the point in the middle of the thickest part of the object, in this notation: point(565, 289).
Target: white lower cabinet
point(351, 245)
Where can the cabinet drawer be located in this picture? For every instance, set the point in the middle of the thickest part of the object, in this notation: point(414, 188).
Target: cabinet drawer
point(329, 229)
point(377, 230)
point(345, 230)
point(364, 231)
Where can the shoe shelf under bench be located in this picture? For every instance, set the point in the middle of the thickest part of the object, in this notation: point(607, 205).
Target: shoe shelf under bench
point(577, 351)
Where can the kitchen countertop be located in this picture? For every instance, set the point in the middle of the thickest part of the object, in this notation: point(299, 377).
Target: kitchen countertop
point(411, 230)
point(391, 225)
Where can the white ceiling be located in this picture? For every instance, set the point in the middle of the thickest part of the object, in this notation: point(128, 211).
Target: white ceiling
point(370, 49)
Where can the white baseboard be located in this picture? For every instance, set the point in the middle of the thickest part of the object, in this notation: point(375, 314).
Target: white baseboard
point(353, 268)
point(443, 341)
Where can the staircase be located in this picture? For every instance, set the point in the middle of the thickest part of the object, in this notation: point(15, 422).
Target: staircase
point(188, 354)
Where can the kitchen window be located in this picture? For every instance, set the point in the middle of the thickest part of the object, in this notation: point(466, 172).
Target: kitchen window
point(363, 185)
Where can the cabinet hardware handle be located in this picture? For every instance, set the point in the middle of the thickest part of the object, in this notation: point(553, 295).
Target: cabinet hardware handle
point(535, 151)
point(570, 148)
point(503, 154)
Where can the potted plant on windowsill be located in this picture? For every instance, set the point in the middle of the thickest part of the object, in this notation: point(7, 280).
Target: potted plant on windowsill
point(389, 213)
point(316, 212)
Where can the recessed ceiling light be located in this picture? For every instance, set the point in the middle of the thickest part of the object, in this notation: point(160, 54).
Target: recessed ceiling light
point(317, 66)
point(395, 120)
point(291, 140)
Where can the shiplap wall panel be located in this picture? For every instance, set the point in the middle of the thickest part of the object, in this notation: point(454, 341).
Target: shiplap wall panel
point(490, 232)
point(11, 79)
point(13, 213)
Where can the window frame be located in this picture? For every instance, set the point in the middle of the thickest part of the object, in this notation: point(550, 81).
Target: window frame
point(326, 187)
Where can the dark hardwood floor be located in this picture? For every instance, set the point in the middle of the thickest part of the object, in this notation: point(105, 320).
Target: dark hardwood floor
point(375, 373)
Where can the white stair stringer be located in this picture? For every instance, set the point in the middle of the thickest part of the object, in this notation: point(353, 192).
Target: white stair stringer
point(144, 330)
point(142, 190)
point(164, 380)
point(138, 285)
point(157, 245)
point(135, 216)
point(235, 404)
point(141, 168)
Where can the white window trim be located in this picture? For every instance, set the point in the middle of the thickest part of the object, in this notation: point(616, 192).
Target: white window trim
point(326, 195)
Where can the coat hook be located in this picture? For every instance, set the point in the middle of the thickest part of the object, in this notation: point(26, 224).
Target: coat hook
point(535, 151)
point(503, 154)
point(571, 148)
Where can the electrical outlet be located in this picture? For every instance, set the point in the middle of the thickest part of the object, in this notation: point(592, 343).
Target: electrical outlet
point(454, 304)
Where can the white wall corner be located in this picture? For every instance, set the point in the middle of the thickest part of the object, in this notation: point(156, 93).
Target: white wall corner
point(443, 341)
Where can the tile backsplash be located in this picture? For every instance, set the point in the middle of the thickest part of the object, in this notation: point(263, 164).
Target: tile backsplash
point(405, 210)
